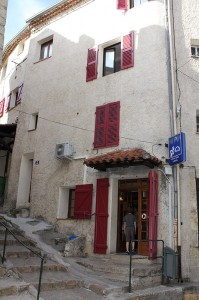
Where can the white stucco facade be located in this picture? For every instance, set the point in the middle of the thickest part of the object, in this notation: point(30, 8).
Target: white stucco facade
point(55, 90)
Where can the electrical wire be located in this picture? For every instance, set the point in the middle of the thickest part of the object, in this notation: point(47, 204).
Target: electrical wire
point(81, 128)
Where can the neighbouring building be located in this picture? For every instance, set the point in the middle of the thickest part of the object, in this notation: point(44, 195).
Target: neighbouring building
point(93, 90)
point(3, 12)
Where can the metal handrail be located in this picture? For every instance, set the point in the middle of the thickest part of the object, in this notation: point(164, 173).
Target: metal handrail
point(161, 256)
point(38, 255)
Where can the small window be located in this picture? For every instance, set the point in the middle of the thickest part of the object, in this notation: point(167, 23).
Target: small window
point(125, 4)
point(197, 121)
point(134, 3)
point(112, 59)
point(195, 51)
point(14, 98)
point(33, 122)
point(71, 204)
point(75, 202)
point(46, 50)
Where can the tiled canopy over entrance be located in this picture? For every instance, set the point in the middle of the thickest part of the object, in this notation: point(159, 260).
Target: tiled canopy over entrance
point(120, 158)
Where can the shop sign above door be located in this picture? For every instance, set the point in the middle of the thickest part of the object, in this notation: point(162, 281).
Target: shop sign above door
point(177, 149)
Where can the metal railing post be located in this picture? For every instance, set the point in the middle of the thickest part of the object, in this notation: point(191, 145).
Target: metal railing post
point(40, 275)
point(130, 267)
point(4, 246)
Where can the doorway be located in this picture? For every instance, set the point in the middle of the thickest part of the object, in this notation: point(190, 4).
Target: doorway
point(133, 193)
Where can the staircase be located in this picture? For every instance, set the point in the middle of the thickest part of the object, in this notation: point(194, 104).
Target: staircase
point(96, 277)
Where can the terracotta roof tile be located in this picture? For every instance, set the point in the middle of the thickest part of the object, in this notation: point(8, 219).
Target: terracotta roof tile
point(121, 158)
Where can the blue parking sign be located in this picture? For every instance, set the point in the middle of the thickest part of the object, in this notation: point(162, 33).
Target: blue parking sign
point(177, 149)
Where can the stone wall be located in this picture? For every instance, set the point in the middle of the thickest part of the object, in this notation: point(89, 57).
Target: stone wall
point(3, 11)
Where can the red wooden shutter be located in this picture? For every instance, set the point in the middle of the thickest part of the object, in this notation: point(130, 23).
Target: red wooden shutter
point(101, 219)
point(91, 70)
point(100, 123)
point(18, 100)
point(127, 55)
point(153, 213)
point(2, 107)
point(83, 201)
point(113, 122)
point(7, 105)
point(121, 4)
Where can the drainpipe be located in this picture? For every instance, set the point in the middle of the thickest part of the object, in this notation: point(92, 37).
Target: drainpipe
point(172, 105)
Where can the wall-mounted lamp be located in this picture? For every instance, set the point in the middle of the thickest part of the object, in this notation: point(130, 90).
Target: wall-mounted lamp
point(121, 197)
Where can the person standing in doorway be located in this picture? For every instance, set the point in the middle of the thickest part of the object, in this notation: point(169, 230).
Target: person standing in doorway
point(130, 230)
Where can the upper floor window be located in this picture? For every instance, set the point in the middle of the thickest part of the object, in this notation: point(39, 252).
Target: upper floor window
point(46, 50)
point(33, 122)
point(14, 98)
point(117, 56)
point(112, 59)
point(195, 51)
point(107, 121)
point(125, 4)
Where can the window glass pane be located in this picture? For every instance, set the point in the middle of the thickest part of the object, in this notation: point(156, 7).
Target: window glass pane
point(193, 52)
point(117, 57)
point(109, 58)
point(50, 49)
point(197, 51)
point(131, 3)
point(137, 2)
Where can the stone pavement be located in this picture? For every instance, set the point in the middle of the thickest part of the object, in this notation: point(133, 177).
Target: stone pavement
point(87, 278)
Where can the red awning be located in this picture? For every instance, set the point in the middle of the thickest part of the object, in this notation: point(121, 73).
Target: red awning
point(122, 158)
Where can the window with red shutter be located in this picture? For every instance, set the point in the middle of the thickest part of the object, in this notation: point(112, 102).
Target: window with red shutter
point(153, 213)
point(107, 125)
point(113, 121)
point(7, 105)
point(83, 201)
point(91, 69)
point(2, 107)
point(127, 51)
point(100, 127)
point(122, 4)
point(19, 94)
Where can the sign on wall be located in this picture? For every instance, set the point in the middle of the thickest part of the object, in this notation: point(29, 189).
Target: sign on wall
point(177, 149)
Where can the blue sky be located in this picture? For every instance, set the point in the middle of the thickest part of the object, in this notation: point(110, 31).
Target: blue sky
point(19, 11)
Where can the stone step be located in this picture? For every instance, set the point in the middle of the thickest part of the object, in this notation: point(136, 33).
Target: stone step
point(53, 280)
point(76, 293)
point(12, 286)
point(10, 240)
point(20, 251)
point(119, 267)
point(32, 264)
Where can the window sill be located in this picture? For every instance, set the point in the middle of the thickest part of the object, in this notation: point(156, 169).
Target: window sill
point(29, 130)
point(42, 60)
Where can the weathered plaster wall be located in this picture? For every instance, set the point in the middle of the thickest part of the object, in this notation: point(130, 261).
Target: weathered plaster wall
point(186, 14)
point(3, 13)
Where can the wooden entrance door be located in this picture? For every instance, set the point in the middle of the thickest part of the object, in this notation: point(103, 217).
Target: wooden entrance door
point(134, 194)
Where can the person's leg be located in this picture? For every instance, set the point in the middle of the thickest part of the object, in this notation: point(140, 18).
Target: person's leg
point(132, 238)
point(127, 246)
point(127, 239)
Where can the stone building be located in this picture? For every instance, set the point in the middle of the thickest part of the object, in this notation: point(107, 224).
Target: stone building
point(3, 12)
point(90, 87)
